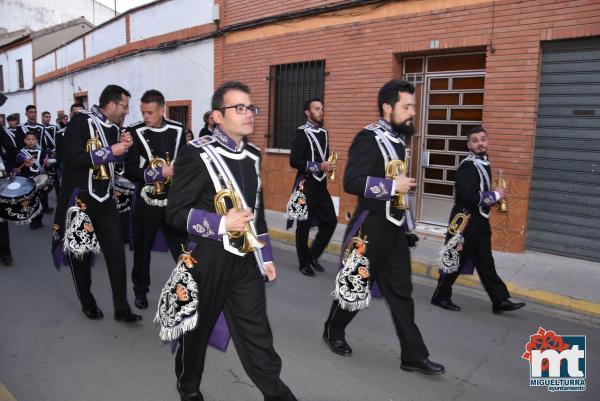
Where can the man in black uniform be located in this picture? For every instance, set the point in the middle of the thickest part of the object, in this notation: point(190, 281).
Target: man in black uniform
point(49, 143)
point(155, 137)
point(309, 154)
point(31, 125)
point(474, 195)
point(8, 142)
point(60, 135)
point(50, 131)
point(227, 278)
point(31, 162)
point(386, 227)
point(100, 123)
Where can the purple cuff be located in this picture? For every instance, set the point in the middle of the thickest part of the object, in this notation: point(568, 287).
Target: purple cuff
point(152, 175)
point(313, 167)
point(267, 250)
point(102, 156)
point(21, 158)
point(379, 188)
point(121, 159)
point(487, 198)
point(204, 224)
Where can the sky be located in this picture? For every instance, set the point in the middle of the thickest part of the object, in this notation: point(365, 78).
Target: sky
point(124, 5)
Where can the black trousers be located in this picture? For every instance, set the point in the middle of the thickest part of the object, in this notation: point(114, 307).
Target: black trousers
point(107, 225)
point(231, 284)
point(4, 239)
point(390, 268)
point(477, 246)
point(147, 220)
point(320, 206)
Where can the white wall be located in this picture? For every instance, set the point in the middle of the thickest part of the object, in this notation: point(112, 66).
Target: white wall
point(45, 64)
point(168, 17)
point(16, 103)
point(39, 14)
point(190, 76)
point(71, 53)
point(105, 38)
point(8, 60)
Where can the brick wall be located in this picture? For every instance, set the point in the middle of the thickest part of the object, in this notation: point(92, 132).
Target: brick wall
point(361, 56)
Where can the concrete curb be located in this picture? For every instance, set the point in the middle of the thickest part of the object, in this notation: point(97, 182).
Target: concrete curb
point(5, 395)
point(428, 269)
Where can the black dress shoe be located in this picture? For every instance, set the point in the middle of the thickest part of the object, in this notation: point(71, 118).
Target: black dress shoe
point(93, 313)
point(191, 396)
point(424, 366)
point(445, 304)
point(6, 260)
point(127, 317)
point(338, 346)
point(307, 270)
point(141, 302)
point(316, 265)
point(506, 306)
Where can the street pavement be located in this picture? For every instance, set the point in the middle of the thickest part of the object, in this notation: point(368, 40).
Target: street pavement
point(49, 351)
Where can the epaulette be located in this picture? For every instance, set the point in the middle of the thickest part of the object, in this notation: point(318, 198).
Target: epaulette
point(253, 145)
point(174, 122)
point(202, 141)
point(134, 124)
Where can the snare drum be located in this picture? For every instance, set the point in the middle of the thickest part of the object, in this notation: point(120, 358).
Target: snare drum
point(43, 182)
point(18, 198)
point(124, 190)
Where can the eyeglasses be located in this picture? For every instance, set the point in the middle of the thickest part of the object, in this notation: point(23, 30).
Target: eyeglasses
point(125, 106)
point(242, 109)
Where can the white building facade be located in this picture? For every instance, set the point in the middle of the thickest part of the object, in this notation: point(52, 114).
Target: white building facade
point(165, 46)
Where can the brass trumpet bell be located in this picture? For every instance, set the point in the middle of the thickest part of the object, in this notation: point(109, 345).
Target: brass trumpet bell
point(502, 205)
point(458, 223)
point(333, 160)
point(101, 171)
point(159, 186)
point(393, 169)
point(251, 243)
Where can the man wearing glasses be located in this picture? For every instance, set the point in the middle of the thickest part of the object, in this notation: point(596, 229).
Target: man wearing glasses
point(220, 275)
point(81, 181)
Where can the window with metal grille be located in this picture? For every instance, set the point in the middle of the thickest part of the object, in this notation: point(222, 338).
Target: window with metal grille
point(20, 69)
point(180, 114)
point(291, 86)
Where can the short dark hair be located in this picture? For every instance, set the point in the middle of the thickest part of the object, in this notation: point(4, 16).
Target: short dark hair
point(389, 93)
point(30, 133)
point(45, 112)
point(76, 105)
point(475, 130)
point(30, 107)
point(12, 117)
point(153, 96)
point(309, 102)
point(205, 116)
point(112, 93)
point(217, 98)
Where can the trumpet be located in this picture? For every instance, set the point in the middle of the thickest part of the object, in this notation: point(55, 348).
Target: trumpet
point(392, 169)
point(459, 223)
point(251, 243)
point(100, 172)
point(333, 160)
point(159, 186)
point(502, 205)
